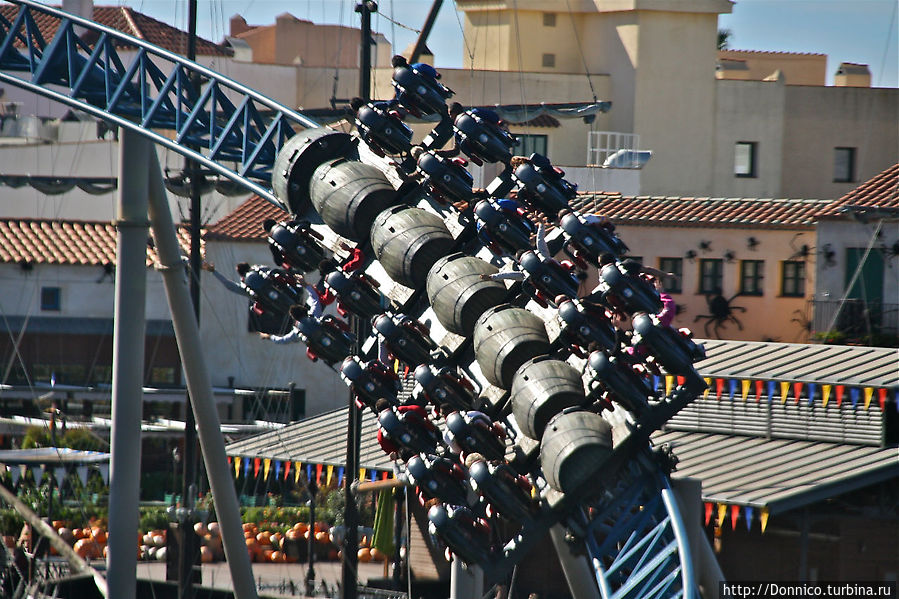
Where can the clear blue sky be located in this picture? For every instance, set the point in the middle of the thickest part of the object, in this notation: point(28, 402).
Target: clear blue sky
point(859, 31)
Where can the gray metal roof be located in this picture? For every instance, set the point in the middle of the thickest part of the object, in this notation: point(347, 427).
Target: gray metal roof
point(804, 363)
point(318, 440)
point(780, 474)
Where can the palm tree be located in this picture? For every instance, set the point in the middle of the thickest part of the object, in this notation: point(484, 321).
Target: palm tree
point(724, 38)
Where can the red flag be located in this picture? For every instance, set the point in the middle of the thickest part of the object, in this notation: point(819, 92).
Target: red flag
point(286, 469)
point(797, 391)
point(318, 474)
point(759, 387)
point(719, 387)
point(840, 389)
point(256, 463)
point(681, 380)
point(229, 457)
point(384, 475)
point(709, 508)
point(882, 398)
point(734, 514)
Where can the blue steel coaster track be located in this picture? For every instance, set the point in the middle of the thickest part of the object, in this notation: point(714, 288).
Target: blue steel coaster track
point(633, 533)
point(237, 131)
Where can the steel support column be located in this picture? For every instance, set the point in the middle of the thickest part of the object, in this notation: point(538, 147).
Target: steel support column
point(196, 374)
point(128, 362)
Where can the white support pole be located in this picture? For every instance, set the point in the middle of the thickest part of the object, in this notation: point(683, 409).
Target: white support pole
point(706, 569)
point(199, 386)
point(579, 573)
point(128, 363)
point(465, 583)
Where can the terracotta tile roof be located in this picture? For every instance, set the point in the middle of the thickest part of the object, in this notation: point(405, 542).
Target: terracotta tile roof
point(80, 243)
point(735, 52)
point(702, 212)
point(245, 222)
point(880, 192)
point(127, 20)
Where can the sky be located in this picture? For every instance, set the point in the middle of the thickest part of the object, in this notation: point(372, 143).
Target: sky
point(858, 31)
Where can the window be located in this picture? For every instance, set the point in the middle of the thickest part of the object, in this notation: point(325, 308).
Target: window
point(751, 275)
point(673, 265)
point(51, 299)
point(792, 278)
point(530, 144)
point(162, 376)
point(744, 159)
point(549, 19)
point(549, 60)
point(711, 275)
point(843, 165)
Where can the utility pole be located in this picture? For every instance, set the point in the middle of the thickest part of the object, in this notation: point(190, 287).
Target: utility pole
point(349, 573)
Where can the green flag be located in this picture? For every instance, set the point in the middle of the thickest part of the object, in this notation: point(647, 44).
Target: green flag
point(382, 539)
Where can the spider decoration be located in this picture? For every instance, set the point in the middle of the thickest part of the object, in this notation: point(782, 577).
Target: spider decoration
point(705, 246)
point(720, 313)
point(890, 252)
point(800, 252)
point(752, 243)
point(730, 256)
point(802, 318)
point(690, 255)
point(830, 256)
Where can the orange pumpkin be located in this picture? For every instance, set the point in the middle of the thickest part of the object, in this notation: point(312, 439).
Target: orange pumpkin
point(377, 555)
point(364, 555)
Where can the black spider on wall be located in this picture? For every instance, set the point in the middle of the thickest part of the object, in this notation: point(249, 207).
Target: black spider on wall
point(720, 313)
point(800, 252)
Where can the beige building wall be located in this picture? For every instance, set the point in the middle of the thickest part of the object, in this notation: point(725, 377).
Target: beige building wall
point(819, 119)
point(799, 69)
point(766, 317)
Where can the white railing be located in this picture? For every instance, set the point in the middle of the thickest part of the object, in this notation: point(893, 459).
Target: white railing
point(613, 149)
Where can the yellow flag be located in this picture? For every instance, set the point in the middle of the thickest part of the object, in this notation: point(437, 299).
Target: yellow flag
point(361, 473)
point(669, 381)
point(297, 466)
point(722, 513)
point(236, 465)
point(330, 473)
point(869, 392)
point(764, 518)
point(708, 387)
point(784, 389)
point(825, 394)
point(745, 388)
point(266, 466)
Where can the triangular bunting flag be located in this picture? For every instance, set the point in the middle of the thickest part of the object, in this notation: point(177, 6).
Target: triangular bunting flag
point(840, 389)
point(709, 508)
point(708, 387)
point(656, 382)
point(812, 388)
point(229, 460)
point(732, 388)
point(882, 398)
point(764, 518)
point(681, 380)
point(770, 391)
point(38, 473)
point(747, 515)
point(82, 474)
point(297, 470)
point(308, 472)
point(384, 475)
point(277, 469)
point(15, 473)
point(719, 387)
point(339, 476)
point(784, 389)
point(744, 389)
point(104, 472)
point(287, 469)
point(329, 474)
point(669, 382)
point(257, 463)
point(722, 514)
point(318, 473)
point(854, 394)
point(266, 467)
point(361, 474)
point(734, 515)
point(374, 475)
point(759, 390)
point(869, 393)
point(247, 462)
point(825, 394)
point(797, 391)
point(60, 474)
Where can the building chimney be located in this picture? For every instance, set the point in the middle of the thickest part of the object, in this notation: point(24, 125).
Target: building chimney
point(850, 74)
point(238, 25)
point(81, 8)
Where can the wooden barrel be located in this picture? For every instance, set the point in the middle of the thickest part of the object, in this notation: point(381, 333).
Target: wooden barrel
point(575, 443)
point(505, 338)
point(408, 241)
point(297, 160)
point(349, 195)
point(457, 293)
point(542, 388)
